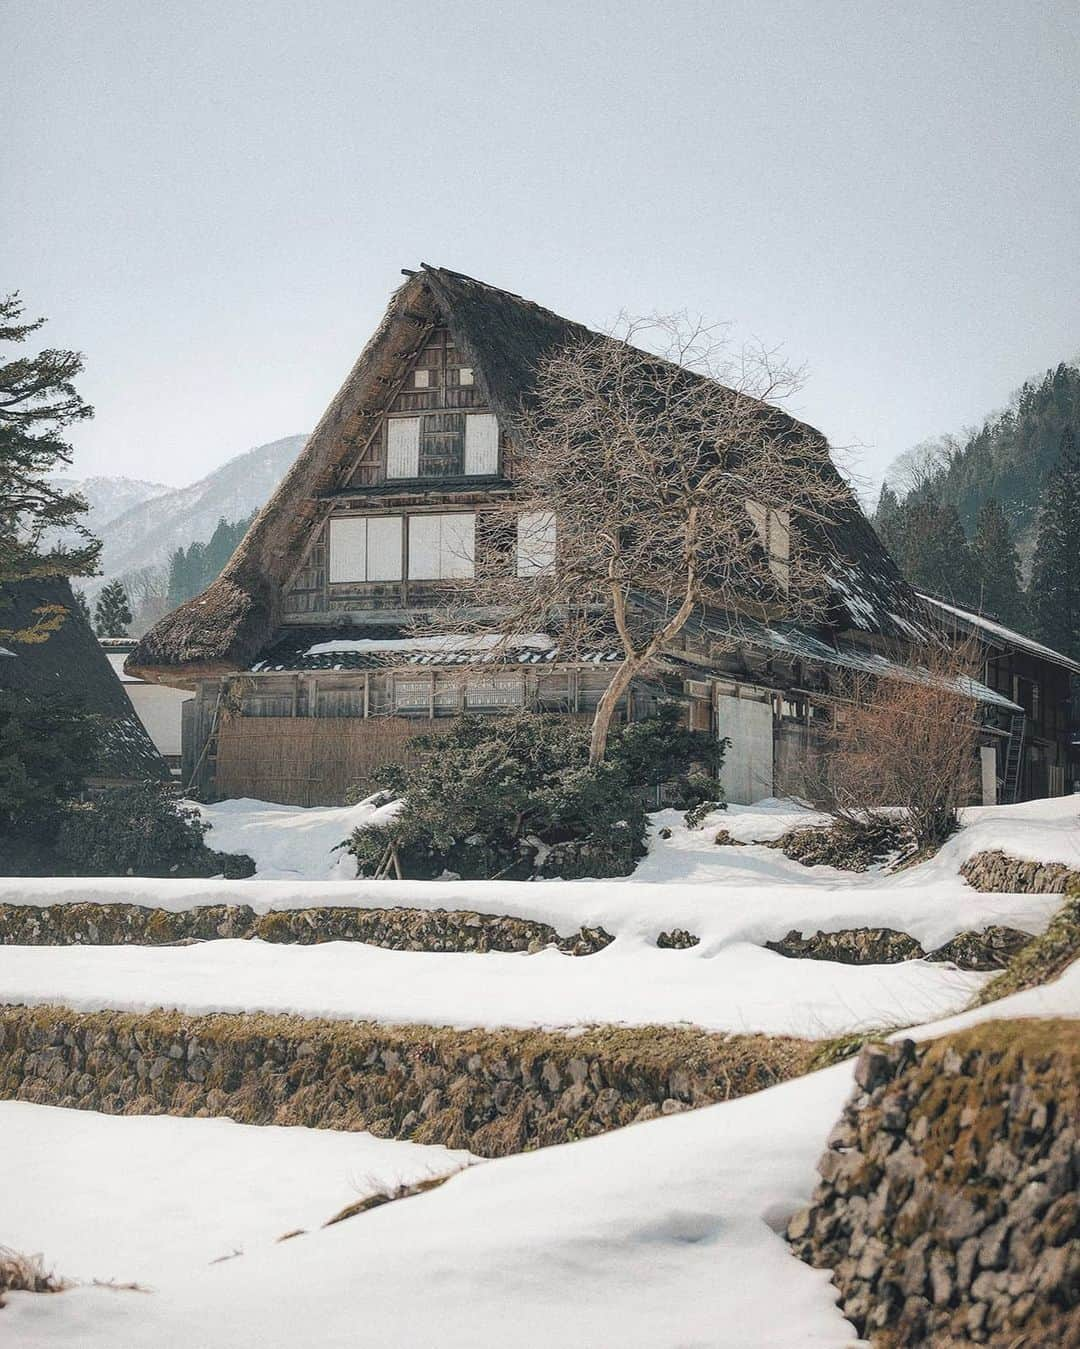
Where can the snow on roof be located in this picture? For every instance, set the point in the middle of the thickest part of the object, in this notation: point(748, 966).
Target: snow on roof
point(1003, 634)
point(442, 643)
point(801, 644)
point(116, 660)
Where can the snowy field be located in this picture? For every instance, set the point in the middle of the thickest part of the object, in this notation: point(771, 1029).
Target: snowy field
point(148, 1198)
point(660, 1236)
point(735, 898)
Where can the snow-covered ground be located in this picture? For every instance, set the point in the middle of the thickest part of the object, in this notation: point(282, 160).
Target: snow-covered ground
point(659, 1236)
point(738, 987)
point(735, 898)
point(663, 1235)
point(290, 842)
point(148, 1198)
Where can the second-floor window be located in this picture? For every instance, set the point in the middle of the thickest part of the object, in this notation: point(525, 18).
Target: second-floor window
point(442, 445)
point(441, 547)
point(773, 528)
point(365, 548)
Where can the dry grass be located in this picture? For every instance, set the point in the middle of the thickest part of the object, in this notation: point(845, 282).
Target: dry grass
point(388, 1197)
point(1042, 959)
point(25, 1274)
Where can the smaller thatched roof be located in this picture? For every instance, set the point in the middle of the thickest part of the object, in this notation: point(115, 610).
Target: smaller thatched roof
point(71, 663)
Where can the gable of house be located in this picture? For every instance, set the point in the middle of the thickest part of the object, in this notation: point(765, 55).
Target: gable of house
point(384, 504)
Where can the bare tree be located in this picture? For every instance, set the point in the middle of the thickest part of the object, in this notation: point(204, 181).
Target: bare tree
point(907, 742)
point(148, 589)
point(651, 486)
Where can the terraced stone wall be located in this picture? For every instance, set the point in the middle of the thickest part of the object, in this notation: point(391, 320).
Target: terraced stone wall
point(493, 1092)
point(997, 872)
point(397, 929)
point(949, 1202)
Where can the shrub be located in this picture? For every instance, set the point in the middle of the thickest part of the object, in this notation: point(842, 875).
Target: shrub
point(516, 797)
point(142, 831)
point(849, 844)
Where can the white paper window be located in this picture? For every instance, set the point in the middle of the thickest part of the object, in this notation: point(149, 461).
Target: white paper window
point(384, 548)
point(481, 443)
point(441, 547)
point(535, 543)
point(403, 447)
point(410, 695)
point(465, 375)
point(508, 691)
point(773, 528)
point(365, 549)
point(421, 379)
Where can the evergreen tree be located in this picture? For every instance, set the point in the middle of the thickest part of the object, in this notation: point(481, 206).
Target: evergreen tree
point(997, 565)
point(928, 544)
point(37, 402)
point(887, 516)
point(192, 569)
point(82, 608)
point(1055, 574)
point(112, 611)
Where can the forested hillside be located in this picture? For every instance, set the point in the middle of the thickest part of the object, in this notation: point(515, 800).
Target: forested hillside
point(992, 521)
point(192, 569)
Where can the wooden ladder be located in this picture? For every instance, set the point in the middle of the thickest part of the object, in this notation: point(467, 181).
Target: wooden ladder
point(1014, 755)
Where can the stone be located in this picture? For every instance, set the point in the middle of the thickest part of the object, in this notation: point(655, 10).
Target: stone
point(873, 1067)
point(942, 1283)
point(993, 1246)
point(871, 1260)
point(966, 1260)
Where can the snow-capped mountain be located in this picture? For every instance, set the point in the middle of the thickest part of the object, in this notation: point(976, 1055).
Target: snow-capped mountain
point(109, 497)
point(150, 530)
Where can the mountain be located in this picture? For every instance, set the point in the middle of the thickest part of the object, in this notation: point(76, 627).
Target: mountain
point(149, 531)
point(109, 497)
point(1006, 460)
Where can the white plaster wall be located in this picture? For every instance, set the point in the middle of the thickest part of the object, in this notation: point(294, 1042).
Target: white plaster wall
point(158, 708)
point(747, 772)
point(988, 773)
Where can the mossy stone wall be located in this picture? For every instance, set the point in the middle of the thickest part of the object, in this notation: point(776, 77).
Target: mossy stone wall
point(401, 929)
point(949, 1202)
point(493, 1092)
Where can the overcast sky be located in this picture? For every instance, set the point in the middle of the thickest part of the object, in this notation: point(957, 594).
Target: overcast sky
point(213, 199)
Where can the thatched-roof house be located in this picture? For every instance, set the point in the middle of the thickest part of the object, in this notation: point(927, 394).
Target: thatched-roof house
point(302, 653)
point(71, 664)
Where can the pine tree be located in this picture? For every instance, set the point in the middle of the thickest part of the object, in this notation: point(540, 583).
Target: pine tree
point(82, 609)
point(1055, 575)
point(37, 401)
point(997, 565)
point(113, 611)
point(929, 546)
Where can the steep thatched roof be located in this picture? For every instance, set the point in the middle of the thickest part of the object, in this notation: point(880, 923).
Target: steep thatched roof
point(70, 663)
point(225, 628)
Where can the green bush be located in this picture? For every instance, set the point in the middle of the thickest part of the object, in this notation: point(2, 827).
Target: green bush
point(515, 797)
point(142, 831)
